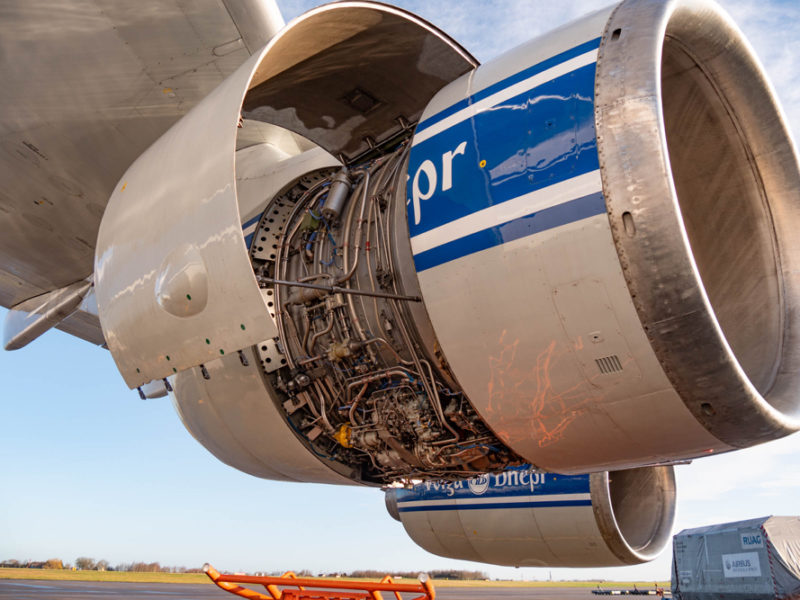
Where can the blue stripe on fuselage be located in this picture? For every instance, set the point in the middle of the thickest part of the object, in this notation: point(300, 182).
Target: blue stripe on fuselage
point(248, 240)
point(495, 505)
point(255, 219)
point(532, 141)
point(509, 81)
point(512, 482)
point(549, 218)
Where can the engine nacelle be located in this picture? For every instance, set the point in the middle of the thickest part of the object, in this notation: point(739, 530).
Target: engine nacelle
point(581, 255)
point(619, 218)
point(522, 518)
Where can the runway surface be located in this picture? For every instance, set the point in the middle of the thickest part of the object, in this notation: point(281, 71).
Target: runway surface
point(86, 590)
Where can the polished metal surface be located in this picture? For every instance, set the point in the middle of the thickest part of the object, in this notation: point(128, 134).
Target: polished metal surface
point(351, 75)
point(170, 235)
point(239, 420)
point(173, 280)
point(701, 177)
point(635, 511)
point(87, 87)
point(524, 518)
point(602, 222)
point(519, 271)
point(256, 20)
point(28, 321)
point(339, 243)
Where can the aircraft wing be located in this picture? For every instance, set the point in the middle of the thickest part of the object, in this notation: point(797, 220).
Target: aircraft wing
point(87, 87)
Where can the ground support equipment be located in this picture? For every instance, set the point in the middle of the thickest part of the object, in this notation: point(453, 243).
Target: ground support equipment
point(290, 587)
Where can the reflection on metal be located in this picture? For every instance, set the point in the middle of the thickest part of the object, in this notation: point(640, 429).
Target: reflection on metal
point(545, 412)
point(239, 419)
point(174, 284)
point(26, 322)
point(257, 21)
point(527, 204)
point(525, 517)
point(720, 176)
point(353, 75)
point(182, 283)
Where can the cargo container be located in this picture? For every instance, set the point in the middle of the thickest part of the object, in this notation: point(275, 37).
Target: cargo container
point(757, 559)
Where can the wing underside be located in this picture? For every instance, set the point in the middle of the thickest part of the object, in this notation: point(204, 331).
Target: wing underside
point(87, 87)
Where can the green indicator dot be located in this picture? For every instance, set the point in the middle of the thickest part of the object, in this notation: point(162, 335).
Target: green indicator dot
point(221, 351)
point(138, 371)
point(188, 296)
point(168, 357)
point(242, 326)
point(174, 370)
point(208, 341)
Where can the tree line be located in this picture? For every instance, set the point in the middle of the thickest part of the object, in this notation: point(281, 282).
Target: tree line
point(85, 563)
point(455, 574)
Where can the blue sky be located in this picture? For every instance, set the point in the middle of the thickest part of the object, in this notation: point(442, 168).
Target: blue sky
point(89, 469)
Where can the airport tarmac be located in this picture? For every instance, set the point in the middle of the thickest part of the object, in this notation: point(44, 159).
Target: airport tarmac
point(27, 589)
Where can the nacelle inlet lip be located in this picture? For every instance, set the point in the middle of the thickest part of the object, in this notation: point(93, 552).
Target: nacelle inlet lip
point(736, 369)
point(635, 510)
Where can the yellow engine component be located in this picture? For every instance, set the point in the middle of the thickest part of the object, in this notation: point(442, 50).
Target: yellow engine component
point(343, 435)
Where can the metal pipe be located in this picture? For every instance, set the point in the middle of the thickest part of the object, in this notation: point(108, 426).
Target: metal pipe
point(359, 230)
point(400, 359)
point(366, 380)
point(350, 297)
point(433, 394)
point(310, 348)
point(279, 260)
point(321, 393)
point(305, 361)
point(438, 405)
point(333, 289)
point(348, 226)
point(306, 333)
point(355, 402)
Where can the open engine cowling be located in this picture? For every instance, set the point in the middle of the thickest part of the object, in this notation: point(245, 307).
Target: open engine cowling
point(580, 255)
point(526, 519)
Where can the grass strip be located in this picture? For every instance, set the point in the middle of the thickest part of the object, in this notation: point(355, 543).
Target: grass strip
point(132, 577)
point(112, 576)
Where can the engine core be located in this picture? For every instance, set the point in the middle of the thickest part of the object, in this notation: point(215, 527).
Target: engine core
point(355, 359)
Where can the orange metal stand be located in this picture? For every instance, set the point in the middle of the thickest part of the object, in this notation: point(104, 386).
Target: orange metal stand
point(308, 588)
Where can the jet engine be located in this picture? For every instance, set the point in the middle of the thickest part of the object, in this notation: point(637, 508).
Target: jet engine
point(522, 518)
point(367, 258)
